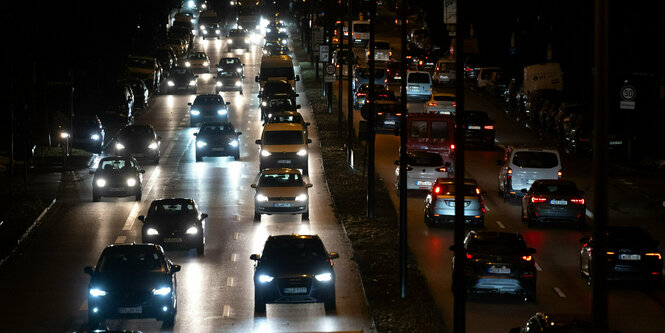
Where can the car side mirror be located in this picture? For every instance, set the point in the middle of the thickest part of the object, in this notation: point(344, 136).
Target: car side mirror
point(309, 140)
point(298, 106)
point(500, 162)
point(228, 103)
point(252, 186)
point(141, 171)
point(255, 257)
point(88, 270)
point(297, 77)
point(297, 95)
point(141, 218)
point(531, 250)
point(204, 216)
point(175, 268)
point(309, 185)
point(256, 78)
point(91, 172)
point(258, 142)
point(334, 255)
point(190, 104)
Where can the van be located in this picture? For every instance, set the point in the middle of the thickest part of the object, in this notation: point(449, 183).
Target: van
point(360, 31)
point(418, 84)
point(485, 76)
point(432, 132)
point(278, 67)
point(284, 145)
point(523, 165)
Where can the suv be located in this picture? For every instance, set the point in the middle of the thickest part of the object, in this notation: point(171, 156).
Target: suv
point(440, 203)
point(418, 84)
point(281, 191)
point(523, 165)
point(284, 145)
point(209, 107)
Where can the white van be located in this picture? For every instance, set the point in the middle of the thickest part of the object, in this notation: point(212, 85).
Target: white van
point(418, 84)
point(523, 165)
point(277, 67)
point(360, 32)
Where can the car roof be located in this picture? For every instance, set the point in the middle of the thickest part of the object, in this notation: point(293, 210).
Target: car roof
point(529, 147)
point(273, 171)
point(157, 248)
point(443, 94)
point(291, 237)
point(283, 127)
point(144, 57)
point(495, 235)
point(554, 182)
point(420, 72)
point(164, 200)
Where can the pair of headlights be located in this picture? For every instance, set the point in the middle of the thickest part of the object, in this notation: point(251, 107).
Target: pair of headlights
point(97, 292)
point(221, 112)
point(262, 198)
point(152, 146)
point(201, 144)
point(301, 152)
point(101, 182)
point(324, 277)
point(193, 230)
point(220, 84)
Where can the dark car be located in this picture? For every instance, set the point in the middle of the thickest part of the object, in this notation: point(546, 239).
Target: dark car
point(274, 48)
point(278, 104)
point(394, 70)
point(387, 114)
point(499, 263)
point(116, 105)
point(141, 92)
point(551, 200)
point(231, 65)
point(209, 107)
point(237, 39)
point(166, 57)
point(181, 79)
point(479, 129)
point(117, 177)
point(210, 30)
point(217, 139)
point(557, 323)
point(88, 133)
point(294, 269)
point(174, 223)
point(139, 141)
point(360, 96)
point(279, 37)
point(132, 281)
point(361, 76)
point(632, 255)
point(276, 90)
point(226, 81)
point(288, 117)
point(427, 61)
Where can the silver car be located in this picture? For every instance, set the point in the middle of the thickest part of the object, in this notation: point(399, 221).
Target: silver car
point(440, 203)
point(523, 165)
point(281, 191)
point(423, 168)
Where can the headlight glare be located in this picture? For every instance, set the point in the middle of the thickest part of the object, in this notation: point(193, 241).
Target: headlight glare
point(201, 144)
point(152, 232)
point(195, 112)
point(192, 230)
point(162, 291)
point(95, 137)
point(119, 146)
point(301, 197)
point(302, 152)
point(192, 82)
point(238, 70)
point(261, 198)
point(263, 278)
point(233, 143)
point(238, 83)
point(222, 112)
point(323, 277)
point(153, 145)
point(265, 153)
point(100, 182)
point(131, 182)
point(96, 292)
point(187, 63)
point(170, 83)
point(219, 83)
point(205, 63)
point(264, 103)
point(230, 41)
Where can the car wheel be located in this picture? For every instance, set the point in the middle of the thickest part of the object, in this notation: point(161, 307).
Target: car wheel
point(236, 156)
point(259, 303)
point(96, 197)
point(257, 217)
point(305, 216)
point(305, 170)
point(139, 195)
point(169, 321)
point(330, 303)
point(199, 158)
point(200, 249)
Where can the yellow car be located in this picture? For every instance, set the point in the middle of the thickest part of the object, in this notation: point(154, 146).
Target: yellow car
point(145, 68)
point(284, 145)
point(198, 62)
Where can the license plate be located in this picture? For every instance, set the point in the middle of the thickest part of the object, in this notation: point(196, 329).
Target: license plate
point(472, 127)
point(389, 122)
point(413, 87)
point(173, 240)
point(630, 257)
point(218, 149)
point(117, 189)
point(423, 183)
point(296, 290)
point(530, 181)
point(499, 270)
point(284, 161)
point(282, 204)
point(128, 310)
point(559, 202)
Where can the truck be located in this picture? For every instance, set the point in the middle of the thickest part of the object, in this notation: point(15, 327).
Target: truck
point(249, 18)
point(545, 76)
point(207, 17)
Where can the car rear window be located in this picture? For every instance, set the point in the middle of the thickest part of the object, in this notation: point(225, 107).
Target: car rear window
point(361, 27)
point(418, 78)
point(449, 189)
point(535, 159)
point(424, 159)
point(496, 247)
point(444, 98)
point(382, 45)
point(440, 130)
point(562, 189)
point(283, 138)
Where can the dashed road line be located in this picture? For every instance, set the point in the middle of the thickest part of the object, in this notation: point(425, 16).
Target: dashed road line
point(227, 311)
point(500, 225)
point(236, 236)
point(538, 268)
point(132, 217)
point(234, 257)
point(559, 292)
point(229, 281)
point(121, 239)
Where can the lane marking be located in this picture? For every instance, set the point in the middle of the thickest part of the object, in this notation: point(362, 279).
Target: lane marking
point(559, 292)
point(237, 218)
point(236, 236)
point(234, 257)
point(589, 214)
point(229, 281)
point(129, 223)
point(227, 311)
point(487, 208)
point(500, 225)
point(132, 217)
point(538, 268)
point(84, 306)
point(120, 239)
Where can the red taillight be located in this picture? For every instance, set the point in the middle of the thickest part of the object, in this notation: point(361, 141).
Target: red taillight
point(467, 69)
point(527, 258)
point(452, 147)
point(361, 94)
point(398, 114)
point(441, 169)
point(454, 104)
point(379, 113)
point(437, 189)
point(489, 127)
point(390, 53)
point(538, 199)
point(657, 255)
point(559, 174)
point(577, 201)
point(420, 63)
point(432, 103)
point(510, 173)
point(468, 256)
point(477, 191)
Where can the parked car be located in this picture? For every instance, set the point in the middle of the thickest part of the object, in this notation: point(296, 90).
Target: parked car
point(174, 223)
point(523, 165)
point(480, 129)
point(181, 78)
point(117, 177)
point(208, 107)
point(422, 170)
point(485, 76)
point(88, 133)
point(146, 68)
point(281, 191)
point(294, 269)
point(217, 139)
point(553, 200)
point(440, 203)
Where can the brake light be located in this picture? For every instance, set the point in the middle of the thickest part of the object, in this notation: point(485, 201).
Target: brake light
point(538, 199)
point(577, 201)
point(379, 113)
point(437, 189)
point(361, 94)
point(467, 69)
point(454, 104)
point(610, 253)
point(437, 68)
point(420, 63)
point(477, 191)
point(390, 54)
point(452, 147)
point(409, 168)
point(527, 258)
point(441, 169)
point(432, 103)
point(654, 255)
point(509, 173)
point(398, 114)
point(468, 256)
point(489, 127)
point(559, 174)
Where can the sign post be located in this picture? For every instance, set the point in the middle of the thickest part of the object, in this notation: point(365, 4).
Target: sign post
point(628, 94)
point(329, 71)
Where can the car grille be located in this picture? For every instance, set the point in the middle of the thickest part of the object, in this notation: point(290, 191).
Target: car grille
point(281, 198)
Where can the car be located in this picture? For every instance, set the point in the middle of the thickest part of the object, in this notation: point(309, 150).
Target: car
point(146, 68)
point(208, 107)
point(444, 72)
point(271, 48)
point(341, 57)
point(480, 129)
point(226, 81)
point(522, 165)
point(472, 67)
point(419, 38)
point(281, 38)
point(361, 76)
point(360, 95)
point(632, 256)
point(198, 62)
point(217, 139)
point(275, 26)
point(116, 104)
point(551, 200)
point(184, 34)
point(499, 263)
point(117, 177)
point(276, 90)
point(387, 114)
point(181, 78)
point(485, 76)
point(231, 64)
point(178, 45)
point(427, 61)
point(237, 39)
point(88, 133)
point(442, 103)
point(294, 269)
point(432, 132)
point(281, 191)
point(141, 92)
point(382, 50)
point(210, 30)
point(284, 145)
point(440, 203)
point(166, 57)
point(132, 281)
point(288, 117)
point(139, 141)
point(418, 84)
point(174, 223)
point(423, 168)
point(394, 71)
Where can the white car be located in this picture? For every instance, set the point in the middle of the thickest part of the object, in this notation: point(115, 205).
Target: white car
point(444, 72)
point(441, 103)
point(423, 168)
point(382, 51)
point(281, 191)
point(418, 84)
point(523, 165)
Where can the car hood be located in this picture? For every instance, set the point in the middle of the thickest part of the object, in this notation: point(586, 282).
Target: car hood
point(290, 191)
point(174, 222)
point(283, 148)
point(208, 107)
point(129, 281)
point(182, 78)
point(216, 138)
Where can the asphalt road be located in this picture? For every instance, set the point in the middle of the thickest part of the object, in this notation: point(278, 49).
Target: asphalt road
point(45, 289)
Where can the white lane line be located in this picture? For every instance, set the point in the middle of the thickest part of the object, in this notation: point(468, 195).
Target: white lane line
point(559, 292)
point(487, 208)
point(229, 281)
point(132, 217)
point(589, 214)
point(227, 311)
point(84, 306)
point(151, 183)
point(500, 225)
point(538, 268)
point(236, 236)
point(120, 239)
point(234, 257)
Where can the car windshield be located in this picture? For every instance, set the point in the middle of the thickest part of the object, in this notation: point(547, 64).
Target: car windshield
point(216, 129)
point(171, 208)
point(558, 189)
point(139, 62)
point(232, 74)
point(472, 116)
point(535, 159)
point(135, 259)
point(418, 78)
point(85, 122)
point(629, 237)
point(281, 102)
point(229, 61)
point(449, 189)
point(382, 45)
point(283, 138)
point(197, 55)
point(280, 180)
point(135, 132)
point(115, 164)
point(237, 33)
point(424, 159)
point(181, 71)
point(286, 72)
point(294, 249)
point(444, 98)
point(286, 119)
point(496, 246)
point(209, 100)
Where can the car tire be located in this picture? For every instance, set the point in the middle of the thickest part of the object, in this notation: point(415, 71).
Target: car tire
point(96, 197)
point(259, 303)
point(499, 191)
point(505, 193)
point(240, 92)
point(236, 156)
point(330, 303)
point(139, 195)
point(200, 249)
point(257, 217)
point(199, 158)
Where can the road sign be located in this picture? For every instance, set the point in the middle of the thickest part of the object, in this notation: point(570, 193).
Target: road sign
point(329, 71)
point(628, 93)
point(324, 55)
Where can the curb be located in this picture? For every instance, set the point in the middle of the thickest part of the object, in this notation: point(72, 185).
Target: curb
point(26, 234)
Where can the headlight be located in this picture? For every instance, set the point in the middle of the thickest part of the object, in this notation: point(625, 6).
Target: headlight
point(95, 137)
point(282, 30)
point(238, 83)
point(152, 232)
point(96, 292)
point(301, 197)
point(265, 52)
point(192, 82)
point(233, 143)
point(284, 41)
point(264, 103)
point(187, 63)
point(265, 278)
point(219, 83)
point(205, 32)
point(230, 41)
point(201, 144)
point(246, 40)
point(302, 152)
point(205, 63)
point(222, 112)
point(195, 112)
point(100, 182)
point(131, 182)
point(162, 291)
point(261, 198)
point(203, 26)
point(119, 146)
point(192, 230)
point(265, 153)
point(324, 277)
point(238, 70)
point(170, 83)
point(217, 31)
point(267, 29)
point(153, 146)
